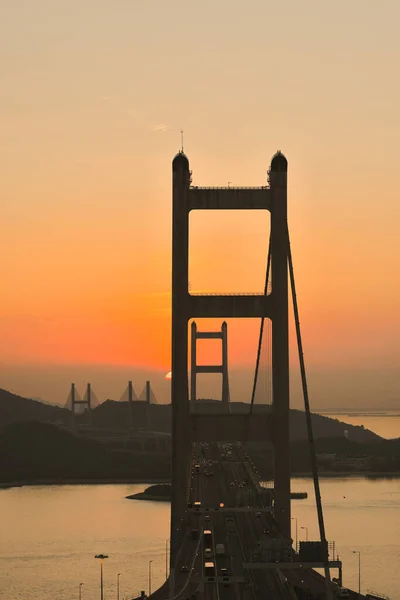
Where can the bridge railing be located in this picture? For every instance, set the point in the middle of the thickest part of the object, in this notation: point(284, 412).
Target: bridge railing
point(230, 187)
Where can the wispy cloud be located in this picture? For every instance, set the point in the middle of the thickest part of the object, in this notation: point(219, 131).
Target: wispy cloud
point(160, 127)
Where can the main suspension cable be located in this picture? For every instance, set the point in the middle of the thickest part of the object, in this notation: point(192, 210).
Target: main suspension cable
point(260, 339)
point(314, 467)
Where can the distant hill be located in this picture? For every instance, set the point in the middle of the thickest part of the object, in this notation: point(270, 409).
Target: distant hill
point(15, 409)
point(41, 452)
point(157, 417)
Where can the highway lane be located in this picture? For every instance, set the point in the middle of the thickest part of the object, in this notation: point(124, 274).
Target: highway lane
point(230, 480)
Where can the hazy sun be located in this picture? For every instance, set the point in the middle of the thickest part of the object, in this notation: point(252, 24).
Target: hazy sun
point(168, 375)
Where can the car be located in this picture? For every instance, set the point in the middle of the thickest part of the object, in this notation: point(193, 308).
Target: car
point(266, 531)
point(223, 571)
point(207, 518)
point(258, 515)
point(232, 484)
point(185, 569)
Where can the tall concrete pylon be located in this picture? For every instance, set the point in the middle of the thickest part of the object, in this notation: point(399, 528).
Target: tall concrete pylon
point(223, 368)
point(190, 427)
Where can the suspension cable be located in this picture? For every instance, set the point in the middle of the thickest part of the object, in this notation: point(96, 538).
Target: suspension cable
point(260, 338)
point(309, 429)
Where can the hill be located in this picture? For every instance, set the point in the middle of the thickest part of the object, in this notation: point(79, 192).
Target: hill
point(16, 409)
point(34, 452)
point(113, 415)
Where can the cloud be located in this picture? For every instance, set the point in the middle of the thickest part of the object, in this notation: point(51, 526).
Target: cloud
point(160, 127)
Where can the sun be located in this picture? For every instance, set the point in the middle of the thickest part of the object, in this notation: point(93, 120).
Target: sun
point(168, 375)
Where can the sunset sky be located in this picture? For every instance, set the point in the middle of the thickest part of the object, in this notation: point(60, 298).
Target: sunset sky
point(93, 98)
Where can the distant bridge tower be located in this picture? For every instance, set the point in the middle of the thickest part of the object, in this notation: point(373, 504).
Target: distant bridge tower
point(223, 368)
point(187, 427)
point(86, 401)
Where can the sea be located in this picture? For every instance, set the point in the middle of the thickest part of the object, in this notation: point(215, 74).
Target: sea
point(49, 535)
point(385, 423)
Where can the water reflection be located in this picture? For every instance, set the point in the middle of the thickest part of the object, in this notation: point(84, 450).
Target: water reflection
point(49, 536)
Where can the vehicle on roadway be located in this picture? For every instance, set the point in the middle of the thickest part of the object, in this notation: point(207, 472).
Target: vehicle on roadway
point(197, 468)
point(208, 537)
point(220, 549)
point(185, 569)
point(343, 593)
point(266, 531)
point(208, 553)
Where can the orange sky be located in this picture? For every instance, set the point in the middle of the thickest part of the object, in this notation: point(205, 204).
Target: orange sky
point(94, 100)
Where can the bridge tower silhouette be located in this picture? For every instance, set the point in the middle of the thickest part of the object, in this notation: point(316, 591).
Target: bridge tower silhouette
point(75, 402)
point(190, 427)
point(223, 368)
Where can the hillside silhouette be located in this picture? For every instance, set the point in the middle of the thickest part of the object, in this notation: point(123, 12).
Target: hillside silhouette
point(113, 415)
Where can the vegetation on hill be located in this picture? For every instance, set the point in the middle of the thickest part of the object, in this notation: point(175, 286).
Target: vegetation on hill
point(40, 451)
point(15, 409)
point(113, 415)
point(33, 449)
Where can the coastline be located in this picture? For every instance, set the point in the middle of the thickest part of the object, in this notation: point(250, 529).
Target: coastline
point(110, 481)
point(150, 497)
point(74, 481)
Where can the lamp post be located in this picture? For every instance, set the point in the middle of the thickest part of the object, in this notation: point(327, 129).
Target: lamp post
point(80, 591)
point(359, 570)
point(295, 519)
point(306, 528)
point(166, 559)
point(101, 557)
point(118, 576)
point(150, 561)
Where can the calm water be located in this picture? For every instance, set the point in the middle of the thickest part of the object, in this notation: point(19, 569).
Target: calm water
point(386, 424)
point(49, 536)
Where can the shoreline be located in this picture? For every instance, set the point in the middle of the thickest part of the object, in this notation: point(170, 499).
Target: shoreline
point(110, 481)
point(149, 497)
point(75, 481)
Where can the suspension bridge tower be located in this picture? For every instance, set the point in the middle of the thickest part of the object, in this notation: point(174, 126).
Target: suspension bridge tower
point(186, 426)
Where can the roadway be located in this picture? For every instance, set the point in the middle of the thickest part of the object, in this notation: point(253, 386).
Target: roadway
point(226, 499)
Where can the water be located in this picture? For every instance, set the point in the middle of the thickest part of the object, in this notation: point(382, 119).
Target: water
point(49, 536)
point(385, 424)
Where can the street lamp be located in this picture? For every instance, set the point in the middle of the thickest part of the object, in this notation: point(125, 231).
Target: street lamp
point(118, 576)
point(359, 570)
point(295, 519)
point(80, 591)
point(166, 559)
point(306, 528)
point(101, 557)
point(150, 561)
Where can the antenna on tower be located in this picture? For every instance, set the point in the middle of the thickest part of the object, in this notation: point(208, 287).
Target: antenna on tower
point(182, 141)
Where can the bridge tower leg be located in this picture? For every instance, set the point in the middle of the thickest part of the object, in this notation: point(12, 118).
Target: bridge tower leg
point(225, 381)
point(130, 407)
point(179, 381)
point(280, 342)
point(223, 368)
point(73, 405)
point(85, 402)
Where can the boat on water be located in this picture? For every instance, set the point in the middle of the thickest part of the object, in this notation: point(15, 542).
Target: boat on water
point(298, 495)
